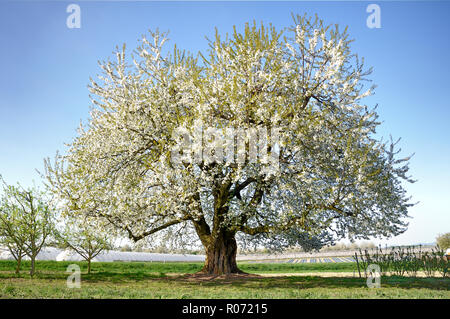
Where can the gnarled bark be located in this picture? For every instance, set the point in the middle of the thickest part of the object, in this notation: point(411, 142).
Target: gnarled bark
point(221, 255)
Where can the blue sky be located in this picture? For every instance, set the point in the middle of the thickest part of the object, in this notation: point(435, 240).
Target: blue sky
point(45, 68)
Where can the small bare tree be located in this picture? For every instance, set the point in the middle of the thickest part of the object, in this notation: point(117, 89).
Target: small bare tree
point(84, 237)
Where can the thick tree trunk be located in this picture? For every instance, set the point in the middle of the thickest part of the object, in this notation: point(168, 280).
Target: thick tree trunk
point(221, 255)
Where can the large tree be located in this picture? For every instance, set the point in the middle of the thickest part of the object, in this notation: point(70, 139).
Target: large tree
point(148, 160)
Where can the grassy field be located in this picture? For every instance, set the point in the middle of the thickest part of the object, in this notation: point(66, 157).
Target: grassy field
point(169, 280)
point(177, 267)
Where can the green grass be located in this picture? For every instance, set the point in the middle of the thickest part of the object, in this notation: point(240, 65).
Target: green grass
point(297, 268)
point(150, 280)
point(116, 268)
point(141, 268)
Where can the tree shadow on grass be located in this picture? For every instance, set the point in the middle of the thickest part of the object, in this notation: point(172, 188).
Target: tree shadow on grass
point(93, 277)
point(238, 281)
point(107, 276)
point(306, 282)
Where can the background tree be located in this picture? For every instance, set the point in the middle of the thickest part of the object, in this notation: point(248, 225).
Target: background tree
point(443, 241)
point(25, 222)
point(334, 178)
point(12, 235)
point(83, 236)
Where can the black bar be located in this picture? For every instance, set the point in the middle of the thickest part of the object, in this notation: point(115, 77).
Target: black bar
point(222, 308)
